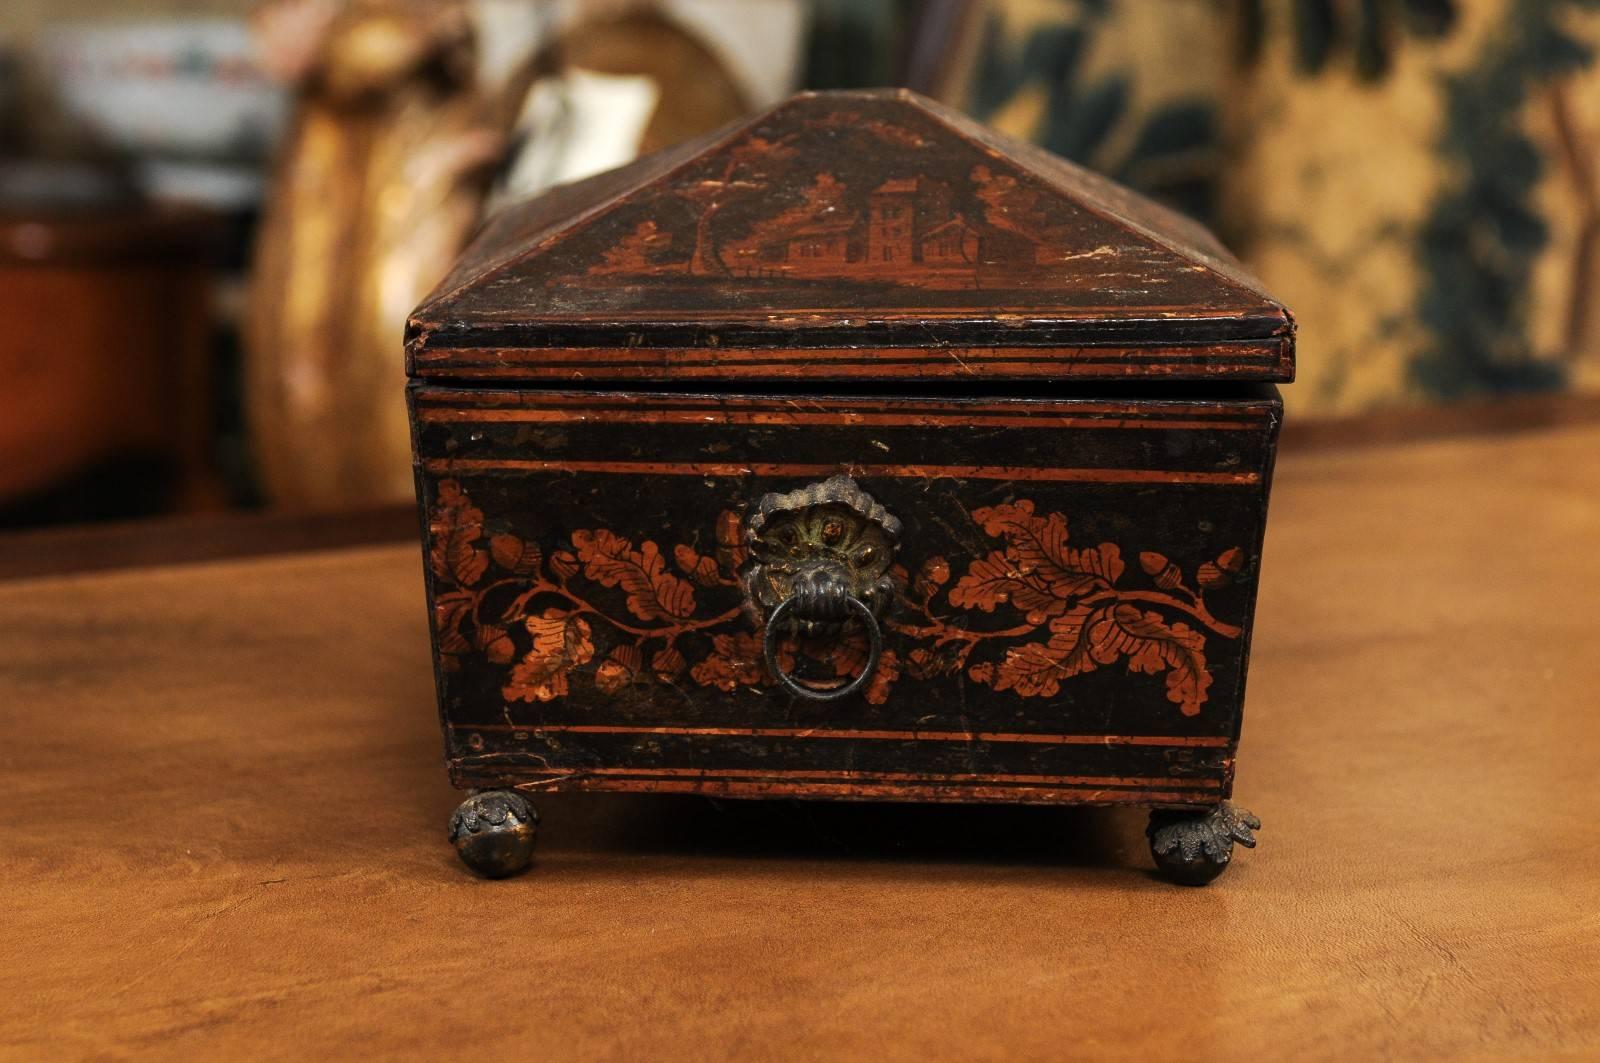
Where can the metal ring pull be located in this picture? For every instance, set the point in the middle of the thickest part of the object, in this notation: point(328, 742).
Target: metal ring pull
point(769, 646)
point(820, 555)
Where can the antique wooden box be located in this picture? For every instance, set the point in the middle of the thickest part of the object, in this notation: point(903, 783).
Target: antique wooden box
point(854, 452)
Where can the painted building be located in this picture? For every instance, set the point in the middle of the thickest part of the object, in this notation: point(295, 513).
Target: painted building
point(953, 242)
point(910, 225)
point(900, 214)
point(821, 243)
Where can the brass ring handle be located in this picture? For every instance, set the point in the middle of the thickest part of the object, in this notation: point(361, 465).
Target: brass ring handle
point(769, 647)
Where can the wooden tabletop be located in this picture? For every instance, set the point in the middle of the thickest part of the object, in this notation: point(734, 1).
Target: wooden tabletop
point(222, 831)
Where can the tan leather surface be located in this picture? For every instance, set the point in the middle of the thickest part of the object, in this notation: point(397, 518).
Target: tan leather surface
point(222, 831)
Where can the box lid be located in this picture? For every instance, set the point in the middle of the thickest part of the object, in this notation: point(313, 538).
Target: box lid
point(848, 236)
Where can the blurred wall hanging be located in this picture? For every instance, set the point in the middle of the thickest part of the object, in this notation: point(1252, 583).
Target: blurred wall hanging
point(1128, 88)
point(1418, 177)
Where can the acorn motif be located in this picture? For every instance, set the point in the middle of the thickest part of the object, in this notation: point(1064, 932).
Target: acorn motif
point(1219, 573)
point(1165, 572)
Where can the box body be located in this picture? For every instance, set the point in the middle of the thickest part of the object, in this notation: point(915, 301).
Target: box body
point(1075, 588)
point(853, 453)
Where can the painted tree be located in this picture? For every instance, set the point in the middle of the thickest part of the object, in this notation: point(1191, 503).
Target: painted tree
point(636, 252)
point(746, 168)
point(1007, 203)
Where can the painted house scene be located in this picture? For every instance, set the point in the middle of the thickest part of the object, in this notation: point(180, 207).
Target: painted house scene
point(909, 227)
point(909, 231)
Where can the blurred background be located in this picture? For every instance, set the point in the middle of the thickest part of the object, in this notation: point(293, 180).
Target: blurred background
point(216, 214)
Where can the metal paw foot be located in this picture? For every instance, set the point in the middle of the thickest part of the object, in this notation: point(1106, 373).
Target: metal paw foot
point(494, 831)
point(1192, 848)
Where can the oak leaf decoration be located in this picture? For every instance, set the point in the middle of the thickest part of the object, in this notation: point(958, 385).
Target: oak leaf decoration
point(1034, 542)
point(925, 663)
point(1031, 669)
point(1038, 545)
point(1037, 571)
point(1176, 648)
point(653, 592)
point(698, 567)
point(1078, 643)
point(997, 579)
point(736, 660)
point(883, 678)
point(668, 664)
point(1087, 637)
point(1077, 619)
point(454, 529)
point(561, 642)
point(449, 610)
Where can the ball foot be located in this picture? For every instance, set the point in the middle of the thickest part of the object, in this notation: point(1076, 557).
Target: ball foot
point(494, 831)
point(1193, 848)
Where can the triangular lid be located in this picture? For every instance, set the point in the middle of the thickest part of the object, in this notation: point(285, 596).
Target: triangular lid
point(848, 236)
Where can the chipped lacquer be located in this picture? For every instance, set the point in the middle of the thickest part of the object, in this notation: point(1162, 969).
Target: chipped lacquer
point(860, 557)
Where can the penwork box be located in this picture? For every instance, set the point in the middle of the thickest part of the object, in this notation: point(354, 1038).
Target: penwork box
point(855, 452)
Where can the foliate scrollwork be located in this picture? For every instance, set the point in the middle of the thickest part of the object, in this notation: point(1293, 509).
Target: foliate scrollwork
point(1024, 616)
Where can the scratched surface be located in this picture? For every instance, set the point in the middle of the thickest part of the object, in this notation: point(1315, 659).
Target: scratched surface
point(223, 807)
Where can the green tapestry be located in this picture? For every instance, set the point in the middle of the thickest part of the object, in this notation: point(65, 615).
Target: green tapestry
point(1417, 178)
